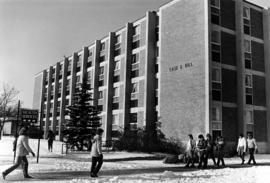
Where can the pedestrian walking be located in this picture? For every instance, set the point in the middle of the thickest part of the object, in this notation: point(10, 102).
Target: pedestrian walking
point(50, 138)
point(252, 148)
point(209, 149)
point(201, 150)
point(96, 153)
point(190, 151)
point(22, 150)
point(220, 150)
point(241, 147)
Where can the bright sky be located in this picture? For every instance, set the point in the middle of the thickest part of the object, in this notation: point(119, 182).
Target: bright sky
point(35, 34)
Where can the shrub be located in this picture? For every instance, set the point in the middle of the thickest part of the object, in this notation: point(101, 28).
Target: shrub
point(144, 141)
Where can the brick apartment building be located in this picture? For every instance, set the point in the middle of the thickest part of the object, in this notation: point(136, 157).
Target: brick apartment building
point(196, 66)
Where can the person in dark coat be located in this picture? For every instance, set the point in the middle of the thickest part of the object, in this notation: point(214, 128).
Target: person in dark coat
point(201, 150)
point(220, 150)
point(50, 137)
point(22, 150)
point(209, 149)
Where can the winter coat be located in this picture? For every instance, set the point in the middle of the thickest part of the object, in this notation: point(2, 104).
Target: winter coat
point(96, 150)
point(23, 148)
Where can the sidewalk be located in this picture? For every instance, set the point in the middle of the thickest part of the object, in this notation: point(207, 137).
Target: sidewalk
point(125, 167)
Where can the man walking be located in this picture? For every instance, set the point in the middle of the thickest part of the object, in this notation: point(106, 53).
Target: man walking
point(241, 147)
point(22, 150)
point(96, 153)
point(252, 147)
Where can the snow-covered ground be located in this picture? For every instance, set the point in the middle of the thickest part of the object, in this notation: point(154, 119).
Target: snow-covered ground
point(126, 167)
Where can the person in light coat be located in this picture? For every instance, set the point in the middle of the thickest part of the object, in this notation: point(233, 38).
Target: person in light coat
point(190, 151)
point(252, 147)
point(241, 147)
point(22, 150)
point(96, 153)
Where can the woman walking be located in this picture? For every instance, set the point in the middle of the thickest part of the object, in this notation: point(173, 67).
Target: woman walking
point(241, 147)
point(50, 137)
point(252, 147)
point(191, 145)
point(22, 150)
point(210, 149)
point(96, 153)
point(220, 150)
point(201, 150)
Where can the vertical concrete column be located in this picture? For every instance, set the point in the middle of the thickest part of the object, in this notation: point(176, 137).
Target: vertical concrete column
point(55, 99)
point(96, 71)
point(41, 112)
point(73, 76)
point(48, 101)
point(108, 104)
point(63, 99)
point(266, 33)
point(241, 100)
point(127, 75)
point(149, 90)
point(85, 55)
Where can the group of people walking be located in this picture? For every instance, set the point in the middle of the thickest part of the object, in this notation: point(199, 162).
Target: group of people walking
point(204, 149)
point(197, 151)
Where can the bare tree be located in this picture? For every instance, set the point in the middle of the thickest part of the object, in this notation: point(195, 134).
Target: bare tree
point(8, 96)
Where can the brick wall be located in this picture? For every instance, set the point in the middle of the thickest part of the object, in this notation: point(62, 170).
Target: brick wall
point(256, 21)
point(229, 86)
point(183, 90)
point(228, 49)
point(259, 96)
point(227, 13)
point(229, 123)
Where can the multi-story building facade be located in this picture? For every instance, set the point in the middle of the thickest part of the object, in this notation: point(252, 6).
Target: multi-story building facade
point(196, 66)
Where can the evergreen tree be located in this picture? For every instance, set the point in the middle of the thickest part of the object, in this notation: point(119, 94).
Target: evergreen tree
point(84, 119)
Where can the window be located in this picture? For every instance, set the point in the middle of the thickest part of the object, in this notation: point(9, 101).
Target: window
point(69, 68)
point(101, 70)
point(216, 95)
point(246, 13)
point(216, 113)
point(215, 37)
point(215, 11)
point(134, 73)
point(118, 39)
point(100, 107)
point(117, 65)
point(246, 20)
point(100, 94)
point(248, 62)
point(115, 106)
point(247, 46)
point(249, 117)
point(102, 47)
point(216, 75)
point(102, 58)
point(116, 78)
point(116, 92)
point(133, 118)
point(136, 30)
point(134, 87)
point(133, 103)
point(215, 3)
point(249, 90)
point(115, 119)
point(78, 79)
point(135, 58)
point(136, 37)
point(248, 81)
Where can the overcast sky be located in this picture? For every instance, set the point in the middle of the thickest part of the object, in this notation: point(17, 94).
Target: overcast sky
point(35, 34)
